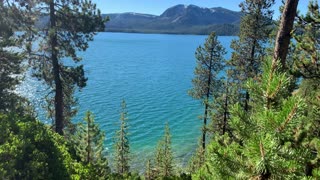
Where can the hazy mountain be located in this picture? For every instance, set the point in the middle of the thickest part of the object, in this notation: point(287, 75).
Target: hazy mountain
point(184, 19)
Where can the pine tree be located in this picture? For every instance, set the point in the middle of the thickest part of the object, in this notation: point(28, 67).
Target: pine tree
point(167, 153)
point(307, 57)
point(11, 68)
point(89, 143)
point(309, 89)
point(250, 49)
point(197, 160)
point(306, 67)
point(72, 24)
point(164, 158)
point(122, 146)
point(206, 82)
point(149, 171)
point(270, 138)
point(277, 139)
point(158, 158)
point(220, 114)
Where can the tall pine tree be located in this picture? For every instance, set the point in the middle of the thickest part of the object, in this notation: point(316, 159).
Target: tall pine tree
point(210, 63)
point(89, 145)
point(197, 160)
point(164, 158)
point(250, 49)
point(307, 67)
point(11, 67)
point(72, 24)
point(122, 146)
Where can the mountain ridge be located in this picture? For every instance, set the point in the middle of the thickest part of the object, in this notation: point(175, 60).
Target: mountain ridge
point(179, 19)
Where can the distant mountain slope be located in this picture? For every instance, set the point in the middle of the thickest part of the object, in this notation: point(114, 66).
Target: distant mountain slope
point(180, 19)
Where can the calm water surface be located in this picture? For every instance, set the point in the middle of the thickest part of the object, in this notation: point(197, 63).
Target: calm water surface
point(152, 73)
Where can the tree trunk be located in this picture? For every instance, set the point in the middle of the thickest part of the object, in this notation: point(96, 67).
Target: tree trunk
point(58, 99)
point(252, 68)
point(252, 72)
point(122, 149)
point(88, 140)
point(246, 103)
point(284, 33)
point(225, 114)
point(204, 125)
point(206, 104)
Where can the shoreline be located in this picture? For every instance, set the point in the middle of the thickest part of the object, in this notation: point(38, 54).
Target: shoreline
point(164, 32)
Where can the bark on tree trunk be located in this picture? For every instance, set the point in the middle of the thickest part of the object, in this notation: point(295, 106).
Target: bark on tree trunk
point(252, 71)
point(246, 103)
point(204, 125)
point(88, 141)
point(206, 104)
point(225, 114)
point(58, 99)
point(284, 33)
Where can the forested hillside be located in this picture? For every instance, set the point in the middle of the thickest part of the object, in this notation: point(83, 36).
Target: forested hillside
point(179, 19)
point(260, 121)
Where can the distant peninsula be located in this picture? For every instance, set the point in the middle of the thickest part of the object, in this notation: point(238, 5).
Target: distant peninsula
point(179, 19)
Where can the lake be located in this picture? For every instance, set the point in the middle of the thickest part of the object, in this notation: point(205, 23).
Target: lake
point(152, 73)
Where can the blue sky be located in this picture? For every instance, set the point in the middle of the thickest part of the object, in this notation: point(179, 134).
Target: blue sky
point(156, 7)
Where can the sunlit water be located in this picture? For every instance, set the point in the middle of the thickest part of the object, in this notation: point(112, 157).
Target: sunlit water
point(152, 73)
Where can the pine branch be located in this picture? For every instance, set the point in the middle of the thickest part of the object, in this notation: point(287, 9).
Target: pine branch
point(289, 118)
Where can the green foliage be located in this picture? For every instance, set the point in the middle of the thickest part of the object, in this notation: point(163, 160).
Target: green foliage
point(197, 160)
point(30, 150)
point(163, 157)
point(129, 176)
point(276, 139)
point(167, 166)
point(306, 65)
point(149, 173)
point(219, 29)
point(10, 77)
point(209, 60)
point(220, 113)
point(306, 62)
point(310, 90)
point(206, 83)
point(122, 146)
point(250, 48)
point(267, 141)
point(11, 68)
point(73, 23)
point(88, 141)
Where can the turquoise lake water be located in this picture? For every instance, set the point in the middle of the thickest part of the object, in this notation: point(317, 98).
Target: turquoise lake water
point(153, 73)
